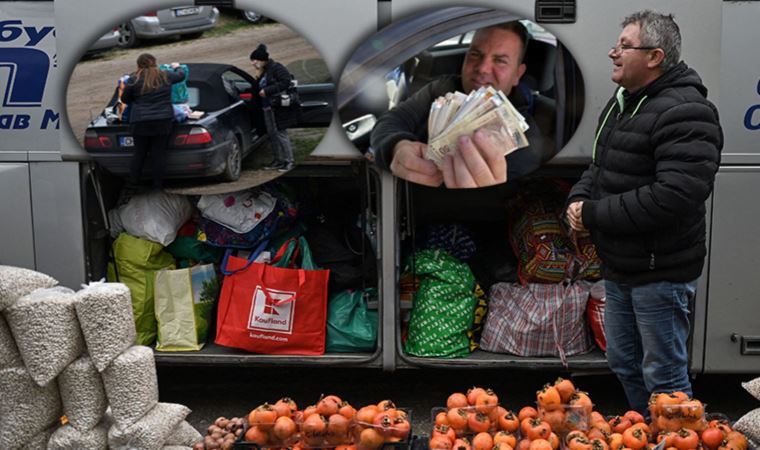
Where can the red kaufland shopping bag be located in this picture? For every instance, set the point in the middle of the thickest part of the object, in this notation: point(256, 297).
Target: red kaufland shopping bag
point(274, 310)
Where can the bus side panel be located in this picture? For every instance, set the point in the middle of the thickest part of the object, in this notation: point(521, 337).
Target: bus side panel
point(733, 308)
point(16, 238)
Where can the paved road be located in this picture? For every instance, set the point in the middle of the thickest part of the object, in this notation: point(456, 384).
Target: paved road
point(213, 392)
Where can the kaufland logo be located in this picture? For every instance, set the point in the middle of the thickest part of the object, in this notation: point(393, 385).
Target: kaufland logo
point(269, 314)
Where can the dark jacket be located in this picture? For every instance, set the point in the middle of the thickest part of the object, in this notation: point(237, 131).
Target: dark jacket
point(277, 81)
point(408, 120)
point(654, 161)
point(155, 104)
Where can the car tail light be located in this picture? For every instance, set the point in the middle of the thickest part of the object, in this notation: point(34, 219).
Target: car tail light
point(196, 136)
point(151, 14)
point(246, 96)
point(92, 140)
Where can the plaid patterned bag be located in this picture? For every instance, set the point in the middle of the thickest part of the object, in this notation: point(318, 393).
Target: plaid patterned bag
point(537, 320)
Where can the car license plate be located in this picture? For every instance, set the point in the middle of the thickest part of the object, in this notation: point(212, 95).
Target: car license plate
point(181, 12)
point(126, 141)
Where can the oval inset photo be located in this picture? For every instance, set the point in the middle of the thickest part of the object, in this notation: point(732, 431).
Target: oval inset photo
point(199, 100)
point(462, 97)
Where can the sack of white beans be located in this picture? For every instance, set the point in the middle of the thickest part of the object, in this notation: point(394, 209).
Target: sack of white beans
point(9, 356)
point(151, 431)
point(82, 394)
point(131, 385)
point(45, 327)
point(16, 282)
point(26, 408)
point(753, 387)
point(749, 424)
point(40, 440)
point(69, 438)
point(105, 315)
point(184, 435)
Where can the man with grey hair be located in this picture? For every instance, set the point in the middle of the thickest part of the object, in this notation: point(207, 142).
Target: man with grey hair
point(654, 157)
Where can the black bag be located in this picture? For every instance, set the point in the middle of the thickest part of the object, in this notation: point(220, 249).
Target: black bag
point(289, 98)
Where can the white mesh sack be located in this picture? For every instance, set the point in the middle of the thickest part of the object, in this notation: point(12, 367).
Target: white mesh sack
point(151, 431)
point(45, 327)
point(82, 394)
point(26, 409)
point(16, 282)
point(176, 447)
point(749, 424)
point(9, 356)
point(184, 435)
point(753, 387)
point(69, 438)
point(105, 315)
point(40, 440)
point(131, 385)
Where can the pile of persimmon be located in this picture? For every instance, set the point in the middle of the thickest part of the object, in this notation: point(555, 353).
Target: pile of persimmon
point(380, 423)
point(563, 406)
point(273, 424)
point(675, 410)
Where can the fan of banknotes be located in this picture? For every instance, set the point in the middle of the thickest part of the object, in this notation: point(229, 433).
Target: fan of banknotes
point(457, 114)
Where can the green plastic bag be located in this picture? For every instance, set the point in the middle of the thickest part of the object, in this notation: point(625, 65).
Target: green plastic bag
point(296, 254)
point(444, 306)
point(187, 250)
point(179, 90)
point(351, 326)
point(137, 260)
point(183, 302)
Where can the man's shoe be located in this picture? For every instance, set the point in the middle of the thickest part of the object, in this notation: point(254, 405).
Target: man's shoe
point(274, 165)
point(286, 167)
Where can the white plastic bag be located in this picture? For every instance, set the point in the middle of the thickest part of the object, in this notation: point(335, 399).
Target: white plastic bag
point(156, 216)
point(239, 211)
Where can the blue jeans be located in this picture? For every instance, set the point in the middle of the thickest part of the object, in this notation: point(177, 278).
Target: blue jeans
point(647, 327)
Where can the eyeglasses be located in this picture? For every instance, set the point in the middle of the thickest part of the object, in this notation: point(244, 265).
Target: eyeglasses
point(621, 47)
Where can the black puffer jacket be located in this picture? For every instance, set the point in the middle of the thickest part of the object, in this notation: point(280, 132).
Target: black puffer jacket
point(155, 104)
point(654, 161)
point(278, 80)
point(408, 120)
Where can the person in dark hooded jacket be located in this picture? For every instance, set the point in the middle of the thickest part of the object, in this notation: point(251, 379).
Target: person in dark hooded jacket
point(274, 79)
point(654, 158)
point(148, 92)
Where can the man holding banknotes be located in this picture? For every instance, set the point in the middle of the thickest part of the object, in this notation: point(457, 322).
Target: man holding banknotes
point(457, 129)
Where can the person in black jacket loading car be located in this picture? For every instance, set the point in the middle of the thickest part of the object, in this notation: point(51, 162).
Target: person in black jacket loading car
point(654, 158)
point(148, 92)
point(274, 79)
point(494, 58)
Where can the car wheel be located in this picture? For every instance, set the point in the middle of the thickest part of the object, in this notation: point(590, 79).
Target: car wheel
point(234, 160)
point(193, 35)
point(128, 37)
point(253, 17)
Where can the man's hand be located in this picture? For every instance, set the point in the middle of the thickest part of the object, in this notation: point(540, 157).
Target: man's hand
point(410, 164)
point(262, 93)
point(174, 65)
point(479, 162)
point(575, 216)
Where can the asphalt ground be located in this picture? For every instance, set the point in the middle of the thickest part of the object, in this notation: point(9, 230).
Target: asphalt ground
point(233, 391)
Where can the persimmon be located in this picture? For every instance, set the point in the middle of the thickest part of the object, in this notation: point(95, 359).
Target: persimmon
point(502, 446)
point(482, 441)
point(602, 426)
point(309, 410)
point(737, 439)
point(554, 440)
point(582, 400)
point(664, 403)
point(579, 443)
point(284, 428)
point(712, 438)
point(441, 419)
point(635, 438)
point(337, 428)
point(599, 444)
point(346, 410)
point(643, 426)
point(693, 408)
point(496, 413)
point(721, 424)
point(401, 428)
point(615, 441)
point(527, 412)
point(669, 437)
point(372, 439)
point(344, 447)
point(509, 422)
point(366, 414)
point(256, 435)
point(596, 433)
point(458, 418)
point(263, 416)
point(327, 406)
point(383, 423)
point(548, 398)
point(478, 422)
point(555, 419)
point(440, 443)
point(444, 430)
point(524, 444)
point(634, 416)
point(686, 439)
point(596, 417)
point(539, 444)
point(385, 405)
point(462, 444)
point(538, 429)
point(507, 438)
point(285, 407)
point(486, 402)
point(565, 389)
point(472, 395)
point(456, 400)
point(314, 426)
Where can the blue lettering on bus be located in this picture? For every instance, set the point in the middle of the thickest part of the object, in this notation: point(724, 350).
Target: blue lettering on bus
point(28, 73)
